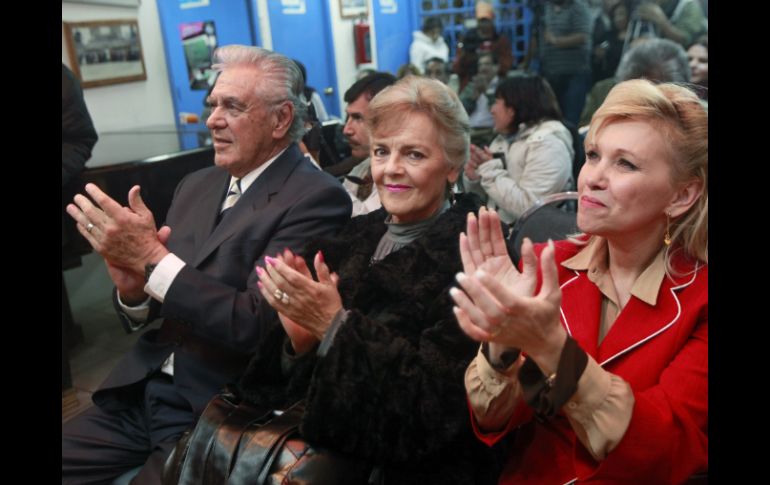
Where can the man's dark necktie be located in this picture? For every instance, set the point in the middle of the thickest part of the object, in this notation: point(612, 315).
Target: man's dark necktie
point(231, 198)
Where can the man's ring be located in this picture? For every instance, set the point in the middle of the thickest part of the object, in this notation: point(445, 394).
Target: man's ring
point(89, 227)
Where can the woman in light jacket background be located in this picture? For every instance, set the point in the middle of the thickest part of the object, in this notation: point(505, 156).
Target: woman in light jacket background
point(532, 155)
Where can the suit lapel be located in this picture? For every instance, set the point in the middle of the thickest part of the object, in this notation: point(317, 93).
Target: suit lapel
point(208, 208)
point(254, 200)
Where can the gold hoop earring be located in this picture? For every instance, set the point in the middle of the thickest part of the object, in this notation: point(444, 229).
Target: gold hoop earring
point(667, 235)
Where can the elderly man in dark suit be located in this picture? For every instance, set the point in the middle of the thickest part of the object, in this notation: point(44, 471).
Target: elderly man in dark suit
point(197, 271)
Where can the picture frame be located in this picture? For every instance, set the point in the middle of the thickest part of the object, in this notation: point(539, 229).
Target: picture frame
point(104, 52)
point(350, 9)
point(114, 3)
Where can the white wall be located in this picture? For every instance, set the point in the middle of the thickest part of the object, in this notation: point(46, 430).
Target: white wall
point(134, 104)
point(149, 102)
point(344, 49)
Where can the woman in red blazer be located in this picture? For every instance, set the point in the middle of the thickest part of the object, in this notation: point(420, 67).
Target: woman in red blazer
point(598, 360)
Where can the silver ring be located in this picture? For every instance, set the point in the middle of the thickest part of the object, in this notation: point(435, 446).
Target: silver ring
point(285, 298)
point(278, 294)
point(89, 226)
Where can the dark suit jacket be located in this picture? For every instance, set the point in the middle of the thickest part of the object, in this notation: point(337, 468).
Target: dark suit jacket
point(215, 300)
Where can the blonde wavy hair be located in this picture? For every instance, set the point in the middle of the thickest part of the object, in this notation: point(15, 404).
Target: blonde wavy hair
point(676, 112)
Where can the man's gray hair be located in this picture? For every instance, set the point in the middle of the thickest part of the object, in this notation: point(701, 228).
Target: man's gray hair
point(280, 79)
point(657, 60)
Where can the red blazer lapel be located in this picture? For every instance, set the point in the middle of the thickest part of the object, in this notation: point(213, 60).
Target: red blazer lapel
point(581, 317)
point(639, 323)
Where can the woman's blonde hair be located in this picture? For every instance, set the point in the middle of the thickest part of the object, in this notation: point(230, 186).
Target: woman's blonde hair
point(413, 94)
point(679, 116)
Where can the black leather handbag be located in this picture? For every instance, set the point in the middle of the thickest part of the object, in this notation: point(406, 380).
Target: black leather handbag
point(235, 443)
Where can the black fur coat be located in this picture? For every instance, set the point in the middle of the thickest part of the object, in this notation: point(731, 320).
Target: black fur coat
point(390, 389)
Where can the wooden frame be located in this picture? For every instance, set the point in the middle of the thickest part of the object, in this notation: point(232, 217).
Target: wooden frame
point(104, 52)
point(114, 3)
point(350, 9)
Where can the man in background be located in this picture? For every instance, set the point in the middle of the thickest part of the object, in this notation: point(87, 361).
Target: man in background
point(358, 181)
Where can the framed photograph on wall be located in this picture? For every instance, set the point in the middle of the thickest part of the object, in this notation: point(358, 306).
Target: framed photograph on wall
point(104, 52)
point(114, 3)
point(353, 8)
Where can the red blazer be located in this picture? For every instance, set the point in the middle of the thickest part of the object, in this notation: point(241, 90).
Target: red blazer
point(662, 352)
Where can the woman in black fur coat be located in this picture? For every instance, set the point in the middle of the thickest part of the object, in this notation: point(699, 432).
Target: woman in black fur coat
point(373, 346)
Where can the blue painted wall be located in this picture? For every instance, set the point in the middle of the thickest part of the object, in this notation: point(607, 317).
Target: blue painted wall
point(231, 21)
point(394, 22)
point(306, 36)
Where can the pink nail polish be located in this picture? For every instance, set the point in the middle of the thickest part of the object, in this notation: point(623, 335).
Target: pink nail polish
point(320, 256)
point(269, 260)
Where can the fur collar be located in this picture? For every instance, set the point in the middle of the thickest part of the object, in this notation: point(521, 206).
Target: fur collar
point(400, 275)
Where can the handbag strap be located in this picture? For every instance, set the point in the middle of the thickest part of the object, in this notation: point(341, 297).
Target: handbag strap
point(257, 455)
point(224, 442)
point(216, 411)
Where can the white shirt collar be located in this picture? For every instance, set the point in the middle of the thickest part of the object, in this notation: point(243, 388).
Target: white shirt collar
point(250, 177)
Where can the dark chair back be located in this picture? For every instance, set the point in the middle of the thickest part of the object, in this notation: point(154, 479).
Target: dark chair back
point(552, 217)
point(577, 145)
point(329, 155)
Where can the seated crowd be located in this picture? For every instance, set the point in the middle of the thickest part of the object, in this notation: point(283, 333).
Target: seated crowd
point(379, 290)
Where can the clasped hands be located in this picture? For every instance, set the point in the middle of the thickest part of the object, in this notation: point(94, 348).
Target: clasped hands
point(499, 304)
point(125, 236)
point(306, 306)
point(478, 156)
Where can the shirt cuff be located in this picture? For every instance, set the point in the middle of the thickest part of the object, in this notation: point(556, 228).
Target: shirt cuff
point(163, 275)
point(495, 377)
point(492, 395)
point(136, 314)
point(340, 318)
point(600, 410)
